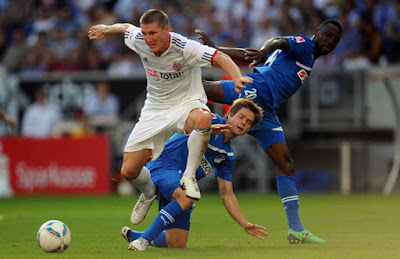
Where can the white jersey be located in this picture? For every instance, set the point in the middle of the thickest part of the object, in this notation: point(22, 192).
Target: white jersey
point(174, 77)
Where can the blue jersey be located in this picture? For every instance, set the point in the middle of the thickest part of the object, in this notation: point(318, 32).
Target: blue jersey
point(285, 72)
point(278, 79)
point(218, 158)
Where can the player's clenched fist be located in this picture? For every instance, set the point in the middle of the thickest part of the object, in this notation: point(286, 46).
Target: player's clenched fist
point(98, 32)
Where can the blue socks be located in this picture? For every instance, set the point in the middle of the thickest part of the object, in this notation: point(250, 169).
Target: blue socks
point(159, 241)
point(290, 200)
point(165, 217)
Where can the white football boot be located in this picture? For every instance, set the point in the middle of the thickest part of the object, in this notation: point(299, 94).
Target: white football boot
point(141, 208)
point(189, 184)
point(138, 244)
point(124, 232)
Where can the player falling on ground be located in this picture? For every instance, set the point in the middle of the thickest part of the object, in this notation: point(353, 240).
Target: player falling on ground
point(175, 207)
point(287, 63)
point(175, 102)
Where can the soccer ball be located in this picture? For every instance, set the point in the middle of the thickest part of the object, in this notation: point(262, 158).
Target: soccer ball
point(54, 236)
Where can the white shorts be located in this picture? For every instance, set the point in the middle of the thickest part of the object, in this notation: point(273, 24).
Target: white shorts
point(156, 126)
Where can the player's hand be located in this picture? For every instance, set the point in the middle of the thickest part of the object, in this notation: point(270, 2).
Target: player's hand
point(239, 84)
point(220, 128)
point(256, 55)
point(256, 230)
point(205, 38)
point(97, 32)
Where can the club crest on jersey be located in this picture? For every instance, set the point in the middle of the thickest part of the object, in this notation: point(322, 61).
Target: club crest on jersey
point(177, 66)
point(299, 39)
point(302, 74)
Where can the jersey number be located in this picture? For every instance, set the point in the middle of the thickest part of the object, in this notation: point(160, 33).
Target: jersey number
point(249, 94)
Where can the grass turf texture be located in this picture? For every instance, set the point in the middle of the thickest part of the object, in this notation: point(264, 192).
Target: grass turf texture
point(357, 226)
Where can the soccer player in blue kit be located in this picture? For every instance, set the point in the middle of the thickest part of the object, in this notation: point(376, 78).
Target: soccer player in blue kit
point(166, 171)
point(287, 63)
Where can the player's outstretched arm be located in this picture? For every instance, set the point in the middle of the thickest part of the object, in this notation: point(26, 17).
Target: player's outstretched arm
point(235, 53)
point(7, 119)
point(258, 57)
point(98, 32)
point(227, 64)
point(232, 207)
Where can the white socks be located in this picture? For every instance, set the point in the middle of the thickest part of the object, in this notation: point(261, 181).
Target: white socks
point(144, 183)
point(197, 145)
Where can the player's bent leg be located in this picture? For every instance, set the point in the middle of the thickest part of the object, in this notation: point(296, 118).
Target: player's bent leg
point(177, 238)
point(198, 124)
point(165, 217)
point(129, 235)
point(133, 162)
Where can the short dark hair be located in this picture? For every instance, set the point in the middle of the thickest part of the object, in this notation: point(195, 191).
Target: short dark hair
point(249, 104)
point(331, 21)
point(155, 15)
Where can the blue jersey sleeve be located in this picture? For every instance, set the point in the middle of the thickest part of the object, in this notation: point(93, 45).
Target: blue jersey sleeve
point(217, 119)
point(302, 49)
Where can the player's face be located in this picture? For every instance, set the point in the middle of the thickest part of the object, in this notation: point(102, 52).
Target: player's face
point(155, 37)
point(241, 122)
point(327, 38)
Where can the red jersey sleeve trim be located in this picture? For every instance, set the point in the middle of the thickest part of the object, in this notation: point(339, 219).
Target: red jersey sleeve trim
point(212, 58)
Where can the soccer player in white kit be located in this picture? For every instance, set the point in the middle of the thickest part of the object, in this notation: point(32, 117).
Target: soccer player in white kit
point(175, 101)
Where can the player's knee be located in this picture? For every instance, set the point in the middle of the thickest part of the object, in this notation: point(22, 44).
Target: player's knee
point(202, 119)
point(177, 243)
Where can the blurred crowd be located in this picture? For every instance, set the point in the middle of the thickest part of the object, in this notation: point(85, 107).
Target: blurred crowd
point(39, 36)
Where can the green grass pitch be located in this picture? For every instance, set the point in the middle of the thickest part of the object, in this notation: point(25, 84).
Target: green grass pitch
point(356, 226)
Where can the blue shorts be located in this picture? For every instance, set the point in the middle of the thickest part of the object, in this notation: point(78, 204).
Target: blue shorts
point(266, 138)
point(167, 180)
point(269, 131)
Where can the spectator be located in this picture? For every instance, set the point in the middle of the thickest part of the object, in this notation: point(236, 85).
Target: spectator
point(94, 61)
point(263, 29)
point(17, 52)
point(393, 33)
point(40, 117)
point(350, 42)
point(382, 15)
point(32, 67)
point(84, 129)
point(102, 102)
point(61, 44)
point(123, 65)
point(371, 42)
